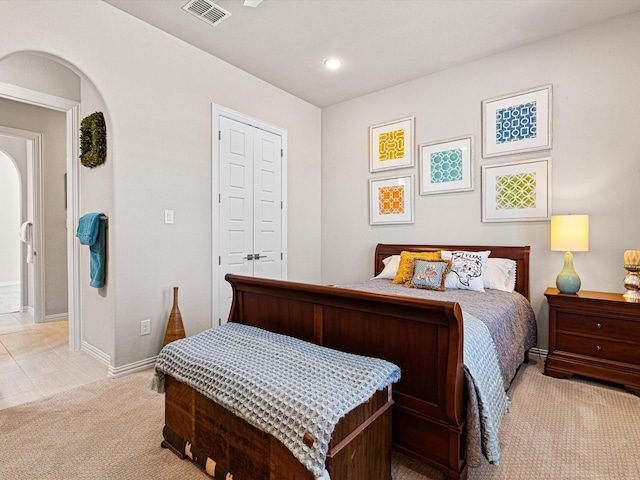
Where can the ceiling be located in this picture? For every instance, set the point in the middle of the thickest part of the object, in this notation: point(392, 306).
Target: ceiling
point(382, 42)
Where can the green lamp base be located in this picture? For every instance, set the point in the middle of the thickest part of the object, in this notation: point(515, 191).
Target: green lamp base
point(568, 280)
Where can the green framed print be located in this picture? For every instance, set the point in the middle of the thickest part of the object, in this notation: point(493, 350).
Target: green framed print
point(517, 191)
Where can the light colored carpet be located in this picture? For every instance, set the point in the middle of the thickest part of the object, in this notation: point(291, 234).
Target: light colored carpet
point(556, 429)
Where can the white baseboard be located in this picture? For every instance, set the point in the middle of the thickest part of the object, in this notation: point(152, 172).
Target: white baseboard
point(9, 284)
point(56, 316)
point(95, 353)
point(538, 353)
point(116, 372)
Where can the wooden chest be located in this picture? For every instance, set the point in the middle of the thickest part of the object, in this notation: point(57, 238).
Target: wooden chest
point(224, 444)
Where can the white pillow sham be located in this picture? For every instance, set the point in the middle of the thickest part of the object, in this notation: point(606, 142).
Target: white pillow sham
point(390, 269)
point(500, 274)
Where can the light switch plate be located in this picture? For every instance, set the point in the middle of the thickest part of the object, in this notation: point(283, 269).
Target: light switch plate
point(145, 327)
point(168, 217)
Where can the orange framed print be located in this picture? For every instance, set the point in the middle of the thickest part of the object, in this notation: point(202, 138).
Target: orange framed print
point(391, 145)
point(391, 200)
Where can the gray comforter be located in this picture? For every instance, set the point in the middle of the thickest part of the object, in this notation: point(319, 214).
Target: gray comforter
point(510, 320)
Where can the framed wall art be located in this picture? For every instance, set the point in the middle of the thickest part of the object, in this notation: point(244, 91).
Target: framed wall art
point(516, 123)
point(391, 145)
point(446, 166)
point(391, 200)
point(517, 191)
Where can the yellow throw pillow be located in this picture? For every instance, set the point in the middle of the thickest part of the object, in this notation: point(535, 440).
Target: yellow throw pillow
point(405, 270)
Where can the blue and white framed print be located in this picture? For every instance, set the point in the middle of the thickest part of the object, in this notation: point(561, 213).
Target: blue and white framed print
point(517, 123)
point(446, 166)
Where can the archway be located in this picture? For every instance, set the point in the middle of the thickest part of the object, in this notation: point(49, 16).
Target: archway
point(28, 87)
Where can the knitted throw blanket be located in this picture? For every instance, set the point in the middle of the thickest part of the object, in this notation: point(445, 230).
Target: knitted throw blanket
point(284, 386)
point(481, 361)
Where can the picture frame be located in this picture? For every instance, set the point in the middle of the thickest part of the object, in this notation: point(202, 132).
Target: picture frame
point(391, 200)
point(391, 145)
point(446, 166)
point(517, 123)
point(517, 191)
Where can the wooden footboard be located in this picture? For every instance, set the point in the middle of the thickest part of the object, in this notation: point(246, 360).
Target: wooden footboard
point(424, 338)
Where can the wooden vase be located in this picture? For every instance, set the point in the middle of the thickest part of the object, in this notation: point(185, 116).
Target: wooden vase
point(175, 328)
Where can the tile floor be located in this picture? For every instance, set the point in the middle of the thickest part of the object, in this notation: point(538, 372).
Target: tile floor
point(9, 298)
point(35, 361)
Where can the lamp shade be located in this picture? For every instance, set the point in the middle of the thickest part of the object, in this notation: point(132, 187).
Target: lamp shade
point(570, 233)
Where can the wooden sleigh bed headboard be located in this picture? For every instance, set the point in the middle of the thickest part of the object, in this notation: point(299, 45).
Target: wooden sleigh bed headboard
point(519, 254)
point(423, 337)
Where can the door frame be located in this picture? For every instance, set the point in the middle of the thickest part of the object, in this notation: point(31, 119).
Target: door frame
point(72, 111)
point(217, 112)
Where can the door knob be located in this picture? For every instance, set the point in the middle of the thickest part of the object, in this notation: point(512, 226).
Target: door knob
point(249, 257)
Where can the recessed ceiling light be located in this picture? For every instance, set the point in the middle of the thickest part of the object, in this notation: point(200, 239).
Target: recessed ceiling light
point(332, 63)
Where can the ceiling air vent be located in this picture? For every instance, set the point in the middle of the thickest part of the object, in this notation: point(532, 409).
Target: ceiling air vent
point(207, 11)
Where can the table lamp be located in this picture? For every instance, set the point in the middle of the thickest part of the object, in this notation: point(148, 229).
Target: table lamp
point(569, 233)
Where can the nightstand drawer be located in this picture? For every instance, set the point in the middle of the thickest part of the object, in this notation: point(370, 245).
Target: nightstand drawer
point(597, 325)
point(599, 348)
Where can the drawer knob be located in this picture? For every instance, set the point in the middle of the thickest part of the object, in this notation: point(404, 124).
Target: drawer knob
point(598, 348)
point(598, 325)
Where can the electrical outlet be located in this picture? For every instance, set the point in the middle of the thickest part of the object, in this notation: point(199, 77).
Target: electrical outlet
point(168, 217)
point(145, 327)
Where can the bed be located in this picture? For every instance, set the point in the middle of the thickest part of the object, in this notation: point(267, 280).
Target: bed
point(432, 410)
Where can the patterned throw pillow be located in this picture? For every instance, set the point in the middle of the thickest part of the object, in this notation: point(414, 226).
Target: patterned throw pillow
point(405, 270)
point(429, 274)
point(466, 271)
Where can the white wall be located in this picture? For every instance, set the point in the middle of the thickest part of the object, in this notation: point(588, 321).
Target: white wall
point(158, 92)
point(97, 308)
point(40, 74)
point(595, 74)
point(10, 192)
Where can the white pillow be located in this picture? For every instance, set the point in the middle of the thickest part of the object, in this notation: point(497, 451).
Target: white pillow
point(467, 269)
point(391, 265)
point(500, 274)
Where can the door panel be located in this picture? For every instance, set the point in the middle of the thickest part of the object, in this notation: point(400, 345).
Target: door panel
point(236, 205)
point(267, 204)
point(250, 205)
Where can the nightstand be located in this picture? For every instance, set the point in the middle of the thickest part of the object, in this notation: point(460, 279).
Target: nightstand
point(596, 335)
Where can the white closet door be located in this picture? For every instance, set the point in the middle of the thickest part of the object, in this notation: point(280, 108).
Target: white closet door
point(236, 205)
point(267, 216)
point(250, 218)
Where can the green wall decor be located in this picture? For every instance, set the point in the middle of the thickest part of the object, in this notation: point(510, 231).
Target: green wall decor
point(93, 140)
